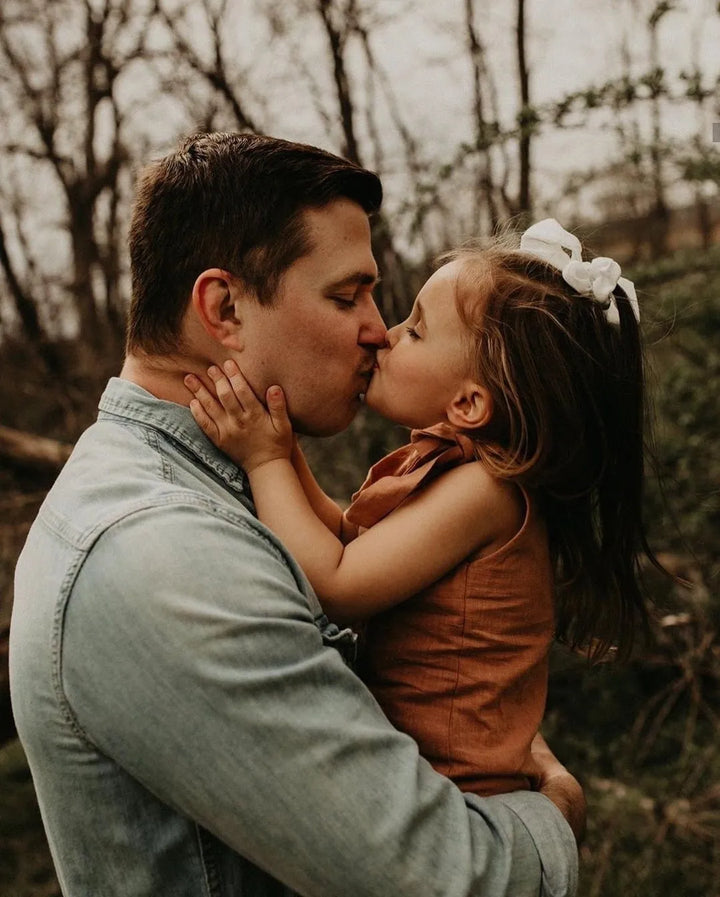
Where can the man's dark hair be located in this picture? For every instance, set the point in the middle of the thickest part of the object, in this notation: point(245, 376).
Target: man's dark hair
point(231, 201)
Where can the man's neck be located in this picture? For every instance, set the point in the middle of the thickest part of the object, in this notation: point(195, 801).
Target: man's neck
point(162, 376)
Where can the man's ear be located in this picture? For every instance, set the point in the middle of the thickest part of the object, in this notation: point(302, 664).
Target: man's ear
point(215, 300)
point(472, 407)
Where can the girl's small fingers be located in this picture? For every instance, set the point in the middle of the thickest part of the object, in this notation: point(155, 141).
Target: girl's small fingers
point(225, 390)
point(276, 397)
point(202, 419)
point(277, 408)
point(192, 382)
point(241, 387)
point(203, 395)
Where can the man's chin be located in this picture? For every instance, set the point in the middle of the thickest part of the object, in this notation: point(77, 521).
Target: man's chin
point(327, 427)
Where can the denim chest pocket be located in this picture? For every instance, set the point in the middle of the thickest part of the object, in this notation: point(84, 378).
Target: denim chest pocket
point(344, 641)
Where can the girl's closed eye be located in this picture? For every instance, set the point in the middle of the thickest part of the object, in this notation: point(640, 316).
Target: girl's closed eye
point(412, 332)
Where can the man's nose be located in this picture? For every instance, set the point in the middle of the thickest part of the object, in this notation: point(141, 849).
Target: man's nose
point(372, 331)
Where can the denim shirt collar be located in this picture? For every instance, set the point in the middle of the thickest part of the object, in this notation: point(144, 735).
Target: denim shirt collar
point(125, 399)
point(122, 398)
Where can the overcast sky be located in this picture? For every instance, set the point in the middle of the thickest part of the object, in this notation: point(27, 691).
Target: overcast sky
point(420, 44)
point(572, 44)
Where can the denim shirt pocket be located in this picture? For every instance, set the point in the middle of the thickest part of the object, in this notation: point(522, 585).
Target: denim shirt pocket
point(344, 641)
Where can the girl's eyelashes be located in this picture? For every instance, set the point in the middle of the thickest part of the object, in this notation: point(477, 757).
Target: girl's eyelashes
point(412, 333)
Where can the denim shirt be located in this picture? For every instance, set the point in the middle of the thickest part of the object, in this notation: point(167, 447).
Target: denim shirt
point(190, 731)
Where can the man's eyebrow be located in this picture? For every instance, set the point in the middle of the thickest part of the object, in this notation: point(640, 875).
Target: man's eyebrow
point(357, 278)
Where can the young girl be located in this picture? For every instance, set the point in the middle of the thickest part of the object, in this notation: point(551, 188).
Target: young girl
point(512, 515)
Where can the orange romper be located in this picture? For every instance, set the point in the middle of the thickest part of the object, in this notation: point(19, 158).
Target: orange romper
point(462, 665)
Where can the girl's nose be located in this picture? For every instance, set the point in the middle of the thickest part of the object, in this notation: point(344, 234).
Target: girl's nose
point(391, 337)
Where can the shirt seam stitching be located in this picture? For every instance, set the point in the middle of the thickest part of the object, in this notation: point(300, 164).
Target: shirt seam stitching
point(122, 412)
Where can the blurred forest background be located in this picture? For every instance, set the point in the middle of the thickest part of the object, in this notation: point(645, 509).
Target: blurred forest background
point(475, 114)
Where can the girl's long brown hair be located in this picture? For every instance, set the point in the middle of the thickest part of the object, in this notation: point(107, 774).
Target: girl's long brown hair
point(568, 425)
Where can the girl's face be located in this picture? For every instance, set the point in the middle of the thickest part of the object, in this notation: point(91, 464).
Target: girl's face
point(424, 364)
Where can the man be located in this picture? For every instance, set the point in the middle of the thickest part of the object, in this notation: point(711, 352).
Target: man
point(190, 728)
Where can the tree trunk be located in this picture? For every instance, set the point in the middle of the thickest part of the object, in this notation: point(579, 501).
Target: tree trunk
point(524, 195)
point(660, 227)
point(84, 253)
point(485, 189)
point(26, 309)
point(336, 41)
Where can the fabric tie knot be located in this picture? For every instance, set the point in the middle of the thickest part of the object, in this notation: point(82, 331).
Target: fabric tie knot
point(395, 477)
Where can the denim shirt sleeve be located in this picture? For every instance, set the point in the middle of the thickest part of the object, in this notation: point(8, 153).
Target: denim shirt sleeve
point(208, 682)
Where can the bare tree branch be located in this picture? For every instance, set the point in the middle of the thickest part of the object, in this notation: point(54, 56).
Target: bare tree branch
point(485, 191)
point(524, 141)
point(216, 73)
point(337, 29)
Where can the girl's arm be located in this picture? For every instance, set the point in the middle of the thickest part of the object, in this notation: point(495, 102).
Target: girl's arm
point(326, 509)
point(421, 540)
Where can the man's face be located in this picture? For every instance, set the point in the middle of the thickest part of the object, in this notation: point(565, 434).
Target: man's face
point(319, 337)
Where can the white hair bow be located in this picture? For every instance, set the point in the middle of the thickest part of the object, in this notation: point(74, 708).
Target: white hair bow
point(596, 279)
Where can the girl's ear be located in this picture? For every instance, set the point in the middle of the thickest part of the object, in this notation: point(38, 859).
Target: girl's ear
point(471, 408)
point(215, 300)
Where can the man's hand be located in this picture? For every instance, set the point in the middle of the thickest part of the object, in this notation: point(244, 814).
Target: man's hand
point(560, 786)
point(237, 422)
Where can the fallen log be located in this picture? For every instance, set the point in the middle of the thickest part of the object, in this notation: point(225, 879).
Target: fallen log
point(24, 449)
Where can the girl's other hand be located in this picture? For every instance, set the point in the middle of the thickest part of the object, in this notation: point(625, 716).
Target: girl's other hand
point(237, 422)
point(554, 781)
